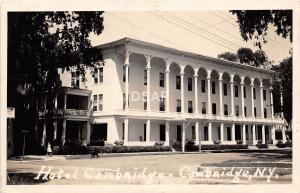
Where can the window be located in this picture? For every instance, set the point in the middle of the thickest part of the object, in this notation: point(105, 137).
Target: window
point(228, 133)
point(265, 94)
point(145, 102)
point(145, 133)
point(124, 101)
point(178, 105)
point(265, 112)
point(214, 108)
point(245, 94)
point(237, 112)
point(219, 133)
point(245, 111)
point(254, 93)
point(190, 84)
point(96, 76)
point(162, 79)
point(247, 134)
point(75, 81)
point(236, 91)
point(95, 102)
point(203, 86)
point(225, 89)
point(123, 131)
point(101, 75)
point(225, 109)
point(178, 131)
point(205, 133)
point(190, 107)
point(124, 73)
point(254, 111)
point(162, 133)
point(178, 82)
point(100, 102)
point(145, 77)
point(162, 104)
point(193, 133)
point(203, 104)
point(213, 87)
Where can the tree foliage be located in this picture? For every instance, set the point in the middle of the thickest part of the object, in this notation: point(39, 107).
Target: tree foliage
point(39, 43)
point(245, 56)
point(255, 23)
point(228, 56)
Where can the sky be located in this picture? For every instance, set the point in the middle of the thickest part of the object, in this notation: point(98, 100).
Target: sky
point(207, 33)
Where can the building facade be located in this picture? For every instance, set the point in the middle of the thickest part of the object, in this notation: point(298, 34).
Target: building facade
point(146, 93)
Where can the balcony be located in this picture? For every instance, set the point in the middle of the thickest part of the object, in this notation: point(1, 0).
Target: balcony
point(76, 112)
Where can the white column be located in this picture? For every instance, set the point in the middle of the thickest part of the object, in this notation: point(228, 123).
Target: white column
point(283, 134)
point(273, 134)
point(244, 134)
point(242, 96)
point(44, 133)
point(252, 99)
point(88, 132)
point(182, 90)
point(148, 82)
point(196, 91)
point(232, 95)
point(233, 132)
point(63, 136)
point(261, 100)
point(183, 137)
point(263, 134)
point(272, 107)
point(55, 102)
point(65, 101)
point(208, 93)
point(167, 142)
point(127, 86)
point(148, 131)
point(254, 134)
point(222, 132)
point(197, 132)
point(126, 128)
point(54, 129)
point(221, 94)
point(167, 86)
point(209, 132)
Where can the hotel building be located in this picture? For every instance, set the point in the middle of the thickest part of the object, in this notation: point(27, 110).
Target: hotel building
point(146, 93)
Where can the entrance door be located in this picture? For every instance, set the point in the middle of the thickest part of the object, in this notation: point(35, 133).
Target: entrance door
point(99, 132)
point(178, 137)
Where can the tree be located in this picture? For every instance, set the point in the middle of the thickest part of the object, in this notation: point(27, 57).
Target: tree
point(283, 85)
point(255, 23)
point(260, 58)
point(39, 43)
point(245, 56)
point(228, 56)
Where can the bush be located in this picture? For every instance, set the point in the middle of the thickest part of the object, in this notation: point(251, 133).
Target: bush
point(217, 142)
point(259, 142)
point(280, 144)
point(289, 143)
point(239, 141)
point(119, 142)
point(56, 150)
point(216, 147)
point(176, 144)
point(159, 143)
point(260, 145)
point(129, 149)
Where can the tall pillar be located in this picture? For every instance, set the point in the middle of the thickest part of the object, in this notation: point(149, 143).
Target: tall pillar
point(44, 133)
point(55, 102)
point(196, 91)
point(273, 134)
point(232, 94)
point(283, 134)
point(167, 142)
point(167, 86)
point(208, 93)
point(254, 135)
point(197, 132)
point(148, 82)
point(54, 130)
point(88, 132)
point(272, 107)
point(126, 128)
point(244, 134)
point(182, 89)
point(233, 132)
point(222, 132)
point(242, 96)
point(63, 136)
point(221, 94)
point(261, 100)
point(126, 64)
point(148, 126)
point(252, 99)
point(209, 132)
point(183, 137)
point(263, 130)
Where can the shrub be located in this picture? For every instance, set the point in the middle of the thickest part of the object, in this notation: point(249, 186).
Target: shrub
point(239, 141)
point(260, 145)
point(176, 144)
point(217, 142)
point(129, 149)
point(289, 143)
point(280, 144)
point(56, 150)
point(159, 143)
point(216, 147)
point(119, 142)
point(259, 142)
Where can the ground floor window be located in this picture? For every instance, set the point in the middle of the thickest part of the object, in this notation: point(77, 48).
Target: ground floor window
point(145, 133)
point(205, 133)
point(278, 135)
point(99, 132)
point(193, 133)
point(228, 133)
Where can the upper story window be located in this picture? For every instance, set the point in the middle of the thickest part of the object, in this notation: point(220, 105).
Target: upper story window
point(225, 109)
point(254, 111)
point(145, 77)
point(203, 104)
point(145, 102)
point(254, 93)
point(265, 95)
point(190, 107)
point(245, 111)
point(265, 113)
point(225, 89)
point(98, 77)
point(162, 104)
point(124, 100)
point(75, 79)
point(214, 108)
point(178, 82)
point(95, 102)
point(100, 104)
point(190, 84)
point(236, 91)
point(237, 111)
point(245, 94)
point(213, 87)
point(162, 79)
point(178, 105)
point(203, 86)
